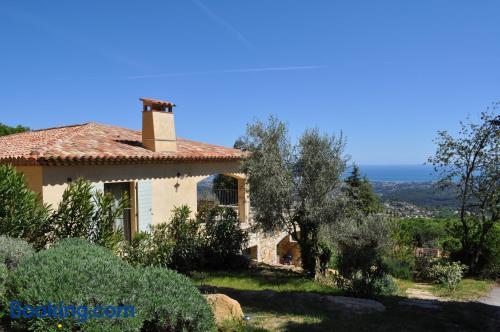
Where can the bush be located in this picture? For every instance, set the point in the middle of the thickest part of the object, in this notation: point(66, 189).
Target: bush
point(325, 256)
point(22, 213)
point(12, 250)
point(87, 215)
point(386, 285)
point(3, 280)
point(423, 266)
point(400, 267)
point(137, 252)
point(362, 242)
point(184, 245)
point(448, 274)
point(183, 232)
point(223, 238)
point(170, 302)
point(491, 263)
point(78, 273)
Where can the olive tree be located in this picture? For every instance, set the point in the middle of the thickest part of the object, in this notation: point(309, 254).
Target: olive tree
point(294, 187)
point(469, 164)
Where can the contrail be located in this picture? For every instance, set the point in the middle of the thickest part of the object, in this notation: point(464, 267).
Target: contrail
point(224, 71)
point(219, 20)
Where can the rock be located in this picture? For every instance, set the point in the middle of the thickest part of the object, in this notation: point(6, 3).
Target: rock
point(357, 305)
point(224, 307)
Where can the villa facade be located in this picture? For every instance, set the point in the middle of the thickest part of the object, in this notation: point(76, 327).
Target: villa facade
point(155, 169)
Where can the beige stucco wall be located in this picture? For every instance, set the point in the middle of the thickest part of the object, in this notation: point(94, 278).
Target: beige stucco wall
point(33, 176)
point(172, 184)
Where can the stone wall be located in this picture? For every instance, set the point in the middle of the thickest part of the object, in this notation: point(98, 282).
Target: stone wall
point(267, 245)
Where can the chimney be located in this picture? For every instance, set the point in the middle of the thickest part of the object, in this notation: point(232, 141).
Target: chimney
point(158, 127)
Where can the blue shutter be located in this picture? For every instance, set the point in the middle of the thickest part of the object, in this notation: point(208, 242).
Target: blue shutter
point(144, 205)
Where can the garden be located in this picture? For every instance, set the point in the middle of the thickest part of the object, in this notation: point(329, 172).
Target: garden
point(359, 269)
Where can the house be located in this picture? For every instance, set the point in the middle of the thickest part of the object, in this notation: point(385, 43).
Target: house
point(154, 168)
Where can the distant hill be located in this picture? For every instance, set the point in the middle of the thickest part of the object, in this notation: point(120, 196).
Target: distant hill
point(426, 194)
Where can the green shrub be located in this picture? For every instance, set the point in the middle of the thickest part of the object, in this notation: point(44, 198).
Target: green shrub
point(87, 215)
point(448, 274)
point(184, 245)
point(154, 248)
point(423, 266)
point(362, 244)
point(400, 267)
point(325, 256)
point(170, 302)
point(137, 252)
point(491, 262)
point(78, 273)
point(3, 280)
point(386, 285)
point(223, 239)
point(162, 246)
point(184, 233)
point(12, 250)
point(22, 213)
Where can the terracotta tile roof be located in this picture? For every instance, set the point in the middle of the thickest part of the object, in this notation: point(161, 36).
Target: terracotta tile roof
point(93, 143)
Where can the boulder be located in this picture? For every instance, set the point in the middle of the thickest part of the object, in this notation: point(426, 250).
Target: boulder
point(224, 307)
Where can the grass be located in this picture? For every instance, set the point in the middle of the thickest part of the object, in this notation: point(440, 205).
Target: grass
point(262, 279)
point(467, 290)
point(403, 285)
point(279, 300)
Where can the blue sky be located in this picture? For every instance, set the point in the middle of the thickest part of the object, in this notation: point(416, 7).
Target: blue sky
point(389, 74)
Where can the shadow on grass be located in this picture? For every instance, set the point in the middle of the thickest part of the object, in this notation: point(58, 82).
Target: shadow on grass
point(262, 279)
point(306, 311)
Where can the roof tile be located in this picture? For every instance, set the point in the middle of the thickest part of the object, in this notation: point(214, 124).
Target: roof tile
point(98, 143)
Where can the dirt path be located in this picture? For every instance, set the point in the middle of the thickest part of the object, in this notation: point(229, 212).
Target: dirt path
point(421, 291)
point(493, 298)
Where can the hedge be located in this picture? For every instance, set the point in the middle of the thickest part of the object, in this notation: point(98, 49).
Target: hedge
point(80, 273)
point(12, 250)
point(76, 273)
point(170, 302)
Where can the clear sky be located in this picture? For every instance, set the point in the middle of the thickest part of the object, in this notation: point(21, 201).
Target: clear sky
point(389, 74)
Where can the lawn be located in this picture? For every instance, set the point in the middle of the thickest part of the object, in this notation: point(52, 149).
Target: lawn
point(262, 279)
point(467, 290)
point(279, 300)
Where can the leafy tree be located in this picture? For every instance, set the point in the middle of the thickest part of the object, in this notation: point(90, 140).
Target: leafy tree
point(363, 241)
point(469, 164)
point(22, 212)
point(295, 188)
point(422, 232)
point(361, 193)
point(87, 215)
point(6, 130)
point(222, 181)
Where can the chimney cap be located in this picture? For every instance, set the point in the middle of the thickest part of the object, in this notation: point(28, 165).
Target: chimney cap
point(156, 102)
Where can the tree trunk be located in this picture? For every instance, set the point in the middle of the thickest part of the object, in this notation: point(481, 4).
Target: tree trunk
point(309, 251)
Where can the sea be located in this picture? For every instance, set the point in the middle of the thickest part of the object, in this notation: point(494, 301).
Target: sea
point(397, 173)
